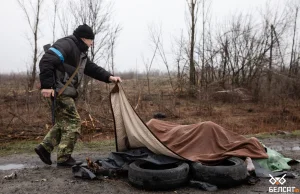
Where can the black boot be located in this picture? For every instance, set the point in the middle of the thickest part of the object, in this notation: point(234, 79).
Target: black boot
point(44, 155)
point(70, 162)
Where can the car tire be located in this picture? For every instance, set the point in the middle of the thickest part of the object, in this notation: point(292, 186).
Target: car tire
point(150, 176)
point(231, 171)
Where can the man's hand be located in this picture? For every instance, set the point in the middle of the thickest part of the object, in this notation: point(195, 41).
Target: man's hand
point(47, 92)
point(115, 79)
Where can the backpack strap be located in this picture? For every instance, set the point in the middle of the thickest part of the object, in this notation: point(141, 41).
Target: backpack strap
point(68, 82)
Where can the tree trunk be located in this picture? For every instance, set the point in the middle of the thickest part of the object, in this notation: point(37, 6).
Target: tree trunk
point(35, 51)
point(292, 69)
point(270, 62)
point(192, 46)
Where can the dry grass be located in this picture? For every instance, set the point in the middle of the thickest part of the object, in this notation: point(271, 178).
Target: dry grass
point(27, 116)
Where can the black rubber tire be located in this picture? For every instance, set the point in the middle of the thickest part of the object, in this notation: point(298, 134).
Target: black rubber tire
point(230, 172)
point(149, 176)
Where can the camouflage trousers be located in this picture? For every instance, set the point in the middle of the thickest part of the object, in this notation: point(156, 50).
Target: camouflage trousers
point(66, 130)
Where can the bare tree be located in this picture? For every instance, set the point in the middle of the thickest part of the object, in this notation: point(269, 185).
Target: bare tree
point(148, 64)
point(33, 22)
point(292, 68)
point(205, 12)
point(66, 22)
point(271, 59)
point(181, 62)
point(97, 15)
point(193, 10)
point(113, 34)
point(55, 4)
point(157, 40)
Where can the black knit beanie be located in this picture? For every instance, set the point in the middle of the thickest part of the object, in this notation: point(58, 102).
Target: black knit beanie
point(84, 31)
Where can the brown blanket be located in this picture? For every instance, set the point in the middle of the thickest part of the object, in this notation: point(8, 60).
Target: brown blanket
point(205, 142)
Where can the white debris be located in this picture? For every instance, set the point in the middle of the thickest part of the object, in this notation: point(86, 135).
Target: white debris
point(11, 176)
point(250, 165)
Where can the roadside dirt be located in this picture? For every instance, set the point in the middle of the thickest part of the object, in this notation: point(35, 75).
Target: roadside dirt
point(39, 178)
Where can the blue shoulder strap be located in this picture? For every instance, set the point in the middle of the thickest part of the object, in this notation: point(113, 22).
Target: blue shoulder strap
point(58, 53)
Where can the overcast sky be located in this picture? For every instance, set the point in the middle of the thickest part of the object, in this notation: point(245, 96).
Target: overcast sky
point(133, 43)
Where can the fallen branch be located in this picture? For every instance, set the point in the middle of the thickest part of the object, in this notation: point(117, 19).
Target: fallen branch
point(10, 122)
point(97, 115)
point(139, 101)
point(92, 121)
point(15, 115)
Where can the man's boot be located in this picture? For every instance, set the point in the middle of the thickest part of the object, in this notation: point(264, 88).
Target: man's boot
point(44, 155)
point(68, 163)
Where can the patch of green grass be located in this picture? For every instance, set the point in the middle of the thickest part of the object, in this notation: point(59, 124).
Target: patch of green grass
point(96, 145)
point(17, 147)
point(296, 133)
point(27, 147)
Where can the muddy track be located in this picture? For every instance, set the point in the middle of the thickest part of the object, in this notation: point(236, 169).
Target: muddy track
point(39, 178)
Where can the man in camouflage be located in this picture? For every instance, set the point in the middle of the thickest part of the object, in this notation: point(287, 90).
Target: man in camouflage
point(67, 57)
point(65, 131)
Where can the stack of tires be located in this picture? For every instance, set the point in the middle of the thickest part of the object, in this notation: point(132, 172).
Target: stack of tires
point(149, 176)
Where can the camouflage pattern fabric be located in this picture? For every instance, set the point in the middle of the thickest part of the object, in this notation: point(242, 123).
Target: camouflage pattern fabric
point(66, 130)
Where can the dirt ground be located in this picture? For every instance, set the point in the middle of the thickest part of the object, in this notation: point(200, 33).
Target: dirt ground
point(40, 178)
